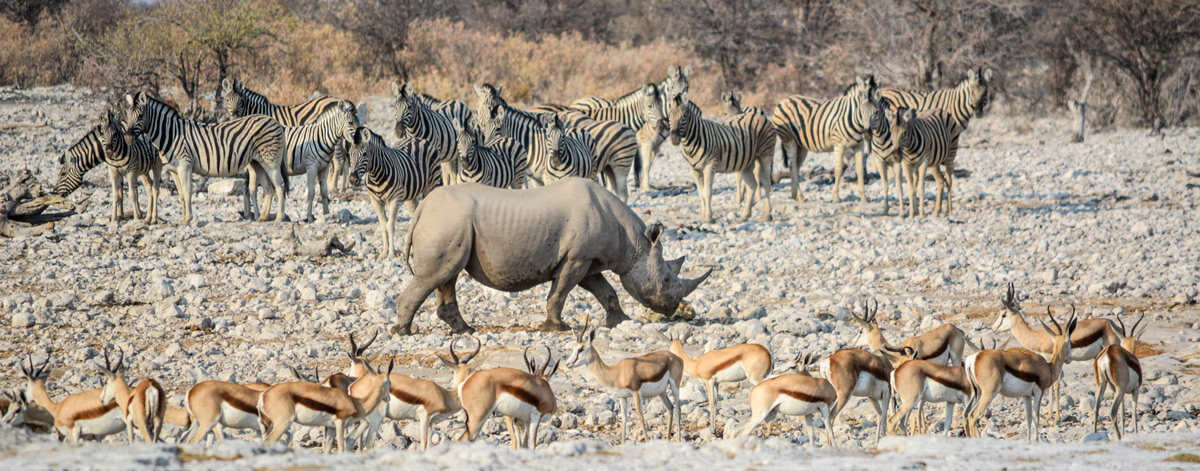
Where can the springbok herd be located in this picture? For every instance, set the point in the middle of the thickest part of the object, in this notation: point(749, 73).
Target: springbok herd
point(350, 406)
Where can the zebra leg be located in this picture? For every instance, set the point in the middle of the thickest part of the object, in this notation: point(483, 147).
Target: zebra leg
point(860, 167)
point(698, 177)
point(276, 177)
point(706, 192)
point(910, 175)
point(883, 177)
point(764, 183)
point(747, 180)
point(788, 147)
point(118, 207)
point(132, 179)
point(949, 187)
point(941, 185)
point(183, 180)
point(386, 250)
point(839, 167)
point(899, 191)
point(621, 184)
point(921, 188)
point(323, 180)
point(392, 207)
point(311, 175)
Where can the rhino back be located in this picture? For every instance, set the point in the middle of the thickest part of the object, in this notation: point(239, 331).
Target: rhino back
point(518, 238)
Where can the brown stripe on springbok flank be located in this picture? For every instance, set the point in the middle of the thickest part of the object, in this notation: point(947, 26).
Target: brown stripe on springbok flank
point(876, 369)
point(725, 365)
point(941, 349)
point(521, 394)
point(237, 403)
point(1090, 339)
point(315, 405)
point(953, 377)
point(1028, 377)
point(658, 376)
point(406, 398)
point(95, 412)
point(800, 396)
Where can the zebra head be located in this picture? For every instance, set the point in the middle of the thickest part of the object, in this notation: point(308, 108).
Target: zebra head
point(679, 118)
point(357, 154)
point(675, 84)
point(489, 96)
point(345, 117)
point(490, 123)
point(901, 123)
point(403, 101)
point(466, 146)
point(652, 111)
point(977, 86)
point(882, 145)
point(110, 131)
point(863, 93)
point(558, 166)
point(231, 100)
point(134, 114)
point(733, 102)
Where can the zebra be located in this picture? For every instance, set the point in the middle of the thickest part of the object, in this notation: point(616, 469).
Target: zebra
point(571, 151)
point(415, 119)
point(501, 163)
point(965, 101)
point(84, 155)
point(925, 140)
point(308, 150)
point(405, 173)
point(457, 111)
point(616, 149)
point(216, 150)
point(732, 102)
point(239, 101)
point(745, 144)
point(129, 157)
point(809, 125)
point(883, 150)
point(498, 119)
point(641, 110)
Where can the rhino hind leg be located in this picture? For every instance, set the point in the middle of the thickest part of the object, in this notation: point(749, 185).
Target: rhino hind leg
point(604, 292)
point(447, 309)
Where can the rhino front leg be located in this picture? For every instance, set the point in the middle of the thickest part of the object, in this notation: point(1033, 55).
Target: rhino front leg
point(569, 275)
point(447, 309)
point(604, 292)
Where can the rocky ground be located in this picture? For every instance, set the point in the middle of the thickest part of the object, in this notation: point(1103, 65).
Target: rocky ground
point(1108, 224)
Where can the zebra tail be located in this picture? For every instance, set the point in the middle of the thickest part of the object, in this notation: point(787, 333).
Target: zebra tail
point(637, 164)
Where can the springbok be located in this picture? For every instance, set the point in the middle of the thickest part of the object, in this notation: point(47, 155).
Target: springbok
point(1118, 365)
point(18, 412)
point(749, 361)
point(1090, 337)
point(857, 372)
point(77, 414)
point(214, 405)
point(523, 398)
point(1016, 373)
point(314, 405)
point(944, 344)
point(795, 394)
point(917, 382)
point(653, 374)
point(144, 407)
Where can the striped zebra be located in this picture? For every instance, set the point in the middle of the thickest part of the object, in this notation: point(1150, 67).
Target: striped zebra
point(501, 163)
point(405, 173)
point(745, 144)
point(884, 150)
point(415, 119)
point(965, 101)
point(457, 111)
point(808, 125)
point(498, 119)
point(310, 148)
point(928, 139)
point(215, 150)
point(239, 102)
point(641, 110)
point(571, 151)
point(84, 155)
point(732, 103)
point(130, 157)
point(616, 149)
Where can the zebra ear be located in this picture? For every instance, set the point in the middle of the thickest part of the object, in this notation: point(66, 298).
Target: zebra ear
point(673, 71)
point(226, 86)
point(481, 91)
point(687, 71)
point(738, 96)
point(972, 75)
point(908, 114)
point(987, 74)
point(648, 89)
point(726, 96)
point(129, 99)
point(408, 89)
point(500, 90)
point(396, 88)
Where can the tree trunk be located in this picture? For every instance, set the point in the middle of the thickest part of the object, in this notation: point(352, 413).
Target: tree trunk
point(929, 62)
point(222, 56)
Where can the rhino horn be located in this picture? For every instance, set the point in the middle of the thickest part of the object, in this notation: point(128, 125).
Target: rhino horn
point(692, 284)
point(676, 265)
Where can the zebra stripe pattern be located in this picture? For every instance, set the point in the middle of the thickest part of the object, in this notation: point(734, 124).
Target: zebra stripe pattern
point(498, 119)
point(966, 100)
point(732, 103)
point(642, 111)
point(571, 151)
point(457, 111)
point(129, 157)
point(501, 163)
point(616, 149)
point(81, 157)
point(884, 150)
point(215, 150)
point(745, 144)
point(405, 173)
point(309, 149)
point(808, 125)
point(928, 139)
point(415, 119)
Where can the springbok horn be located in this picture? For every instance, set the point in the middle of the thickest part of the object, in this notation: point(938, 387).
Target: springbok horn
point(478, 347)
point(528, 364)
point(453, 355)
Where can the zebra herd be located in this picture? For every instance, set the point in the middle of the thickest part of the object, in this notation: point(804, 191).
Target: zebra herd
point(445, 142)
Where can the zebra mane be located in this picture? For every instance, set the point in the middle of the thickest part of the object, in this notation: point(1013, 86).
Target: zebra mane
point(252, 96)
point(169, 110)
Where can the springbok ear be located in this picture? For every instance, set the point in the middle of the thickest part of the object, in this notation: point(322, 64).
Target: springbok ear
point(654, 232)
point(1071, 327)
point(591, 336)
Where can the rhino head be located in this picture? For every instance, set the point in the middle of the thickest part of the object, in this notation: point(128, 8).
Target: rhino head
point(655, 282)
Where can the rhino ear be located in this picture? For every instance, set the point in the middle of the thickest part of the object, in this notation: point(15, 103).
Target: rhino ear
point(654, 232)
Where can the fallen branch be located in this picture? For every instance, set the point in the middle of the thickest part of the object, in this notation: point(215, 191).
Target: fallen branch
point(19, 188)
point(319, 248)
